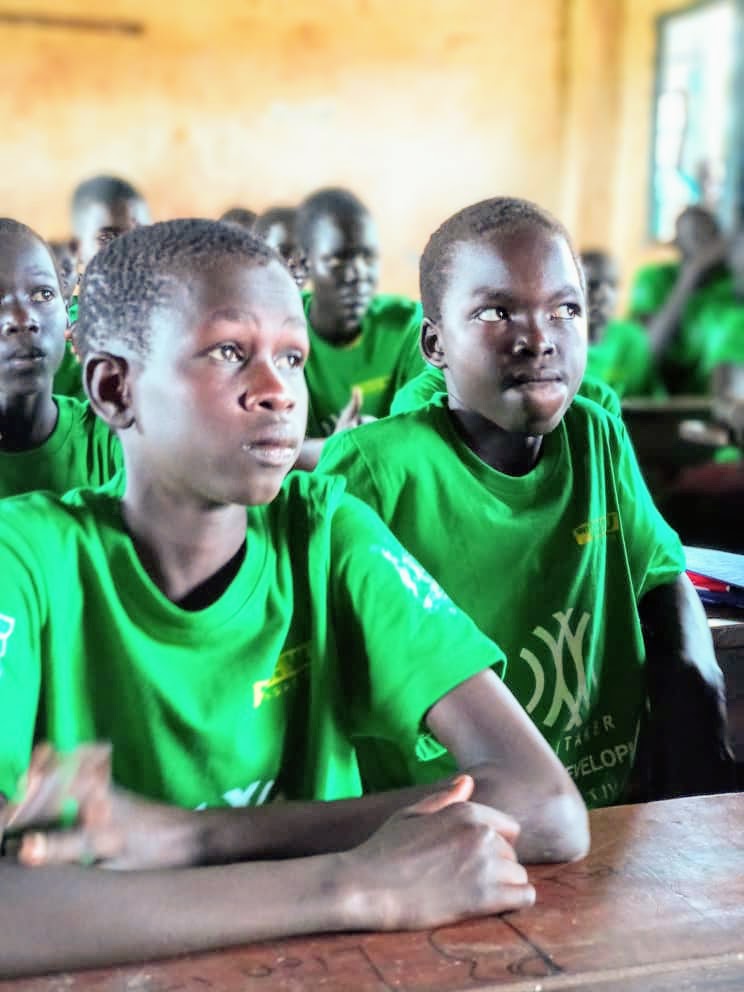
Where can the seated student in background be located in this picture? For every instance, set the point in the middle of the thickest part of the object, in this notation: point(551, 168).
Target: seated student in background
point(233, 656)
point(619, 351)
point(528, 506)
point(65, 255)
point(240, 216)
point(363, 345)
point(46, 442)
point(668, 298)
point(705, 502)
point(278, 228)
point(102, 208)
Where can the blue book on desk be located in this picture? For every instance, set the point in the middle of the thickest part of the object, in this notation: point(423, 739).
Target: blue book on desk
point(718, 576)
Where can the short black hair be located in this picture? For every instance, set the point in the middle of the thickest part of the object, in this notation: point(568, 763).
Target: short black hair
point(240, 216)
point(275, 215)
point(101, 189)
point(15, 227)
point(333, 201)
point(501, 214)
point(603, 260)
point(134, 274)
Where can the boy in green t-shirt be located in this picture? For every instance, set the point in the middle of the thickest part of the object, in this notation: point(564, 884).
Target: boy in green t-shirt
point(47, 442)
point(278, 227)
point(619, 351)
point(235, 655)
point(363, 345)
point(668, 298)
point(528, 506)
point(102, 208)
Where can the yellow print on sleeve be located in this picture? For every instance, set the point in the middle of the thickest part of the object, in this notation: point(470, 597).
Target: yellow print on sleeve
point(291, 664)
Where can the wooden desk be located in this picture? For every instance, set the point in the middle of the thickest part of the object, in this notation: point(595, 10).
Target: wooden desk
point(658, 906)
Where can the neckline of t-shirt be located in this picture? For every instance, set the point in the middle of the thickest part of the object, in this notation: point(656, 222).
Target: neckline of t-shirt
point(519, 488)
point(58, 437)
point(143, 598)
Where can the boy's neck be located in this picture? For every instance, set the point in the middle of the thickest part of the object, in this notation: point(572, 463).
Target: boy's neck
point(190, 552)
point(507, 452)
point(26, 421)
point(329, 325)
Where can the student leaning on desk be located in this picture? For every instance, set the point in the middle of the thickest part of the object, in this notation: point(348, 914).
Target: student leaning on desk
point(235, 655)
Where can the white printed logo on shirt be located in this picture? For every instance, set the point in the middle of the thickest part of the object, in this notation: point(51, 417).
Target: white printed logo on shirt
point(566, 651)
point(7, 625)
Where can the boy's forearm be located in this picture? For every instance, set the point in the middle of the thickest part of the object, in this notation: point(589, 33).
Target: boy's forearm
point(689, 748)
point(287, 829)
point(55, 919)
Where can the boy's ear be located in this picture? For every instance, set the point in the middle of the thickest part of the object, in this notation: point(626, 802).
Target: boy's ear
point(431, 347)
point(108, 385)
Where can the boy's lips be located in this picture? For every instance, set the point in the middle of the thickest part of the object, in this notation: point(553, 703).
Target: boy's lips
point(276, 450)
point(538, 377)
point(24, 358)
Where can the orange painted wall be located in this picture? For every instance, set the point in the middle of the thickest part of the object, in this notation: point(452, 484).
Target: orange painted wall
point(420, 106)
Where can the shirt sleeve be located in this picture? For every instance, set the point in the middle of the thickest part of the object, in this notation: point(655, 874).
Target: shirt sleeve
point(20, 664)
point(417, 392)
point(650, 288)
point(403, 643)
point(724, 338)
point(654, 550)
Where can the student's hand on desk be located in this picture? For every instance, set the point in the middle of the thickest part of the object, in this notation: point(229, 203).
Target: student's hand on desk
point(107, 826)
point(440, 860)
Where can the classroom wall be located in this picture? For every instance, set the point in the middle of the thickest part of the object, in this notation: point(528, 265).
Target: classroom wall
point(420, 106)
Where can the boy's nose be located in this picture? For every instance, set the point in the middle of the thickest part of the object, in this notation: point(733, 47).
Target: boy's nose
point(533, 340)
point(16, 319)
point(268, 391)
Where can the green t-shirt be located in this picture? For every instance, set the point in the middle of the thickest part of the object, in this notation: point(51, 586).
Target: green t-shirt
point(427, 384)
point(329, 632)
point(81, 451)
point(623, 360)
point(722, 332)
point(551, 565)
point(681, 365)
point(68, 379)
point(381, 358)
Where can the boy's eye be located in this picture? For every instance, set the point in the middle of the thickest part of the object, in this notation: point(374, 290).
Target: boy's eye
point(493, 314)
point(566, 311)
point(291, 360)
point(226, 353)
point(44, 294)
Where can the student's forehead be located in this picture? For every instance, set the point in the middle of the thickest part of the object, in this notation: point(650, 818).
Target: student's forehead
point(233, 283)
point(504, 260)
point(115, 213)
point(335, 231)
point(21, 251)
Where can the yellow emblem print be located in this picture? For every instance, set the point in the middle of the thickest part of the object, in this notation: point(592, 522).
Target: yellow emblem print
point(594, 530)
point(291, 663)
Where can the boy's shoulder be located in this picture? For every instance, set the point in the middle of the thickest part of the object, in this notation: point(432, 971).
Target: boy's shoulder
point(587, 417)
point(45, 523)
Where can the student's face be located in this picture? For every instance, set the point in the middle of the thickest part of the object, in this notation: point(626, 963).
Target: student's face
point(343, 258)
point(33, 316)
point(694, 230)
point(67, 267)
point(601, 277)
point(103, 222)
point(512, 335)
point(281, 237)
point(220, 404)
